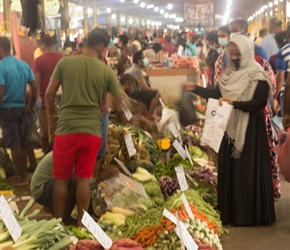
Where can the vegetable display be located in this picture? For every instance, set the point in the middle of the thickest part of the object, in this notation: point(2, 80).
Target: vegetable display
point(194, 198)
point(43, 234)
point(120, 244)
point(134, 223)
point(150, 184)
point(130, 207)
point(143, 143)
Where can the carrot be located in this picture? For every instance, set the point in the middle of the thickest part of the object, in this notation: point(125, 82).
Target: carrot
point(170, 227)
point(147, 236)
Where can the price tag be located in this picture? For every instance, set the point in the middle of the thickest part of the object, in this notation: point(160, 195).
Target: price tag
point(188, 156)
point(130, 145)
point(181, 178)
point(191, 179)
point(169, 216)
point(122, 165)
point(173, 129)
point(180, 50)
point(204, 80)
point(162, 103)
point(126, 111)
point(96, 231)
point(179, 149)
point(9, 219)
point(157, 125)
point(187, 207)
point(179, 232)
point(183, 234)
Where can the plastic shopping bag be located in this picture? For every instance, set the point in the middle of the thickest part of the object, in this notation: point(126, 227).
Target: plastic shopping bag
point(283, 150)
point(32, 135)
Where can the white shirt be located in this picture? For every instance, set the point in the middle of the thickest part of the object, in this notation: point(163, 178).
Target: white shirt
point(269, 45)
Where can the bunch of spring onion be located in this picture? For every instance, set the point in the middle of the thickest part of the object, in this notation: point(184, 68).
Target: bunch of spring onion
point(43, 234)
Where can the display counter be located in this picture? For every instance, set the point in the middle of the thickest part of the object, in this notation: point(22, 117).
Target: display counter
point(167, 81)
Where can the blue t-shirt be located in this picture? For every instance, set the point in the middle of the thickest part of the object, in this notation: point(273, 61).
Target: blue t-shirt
point(14, 75)
point(283, 57)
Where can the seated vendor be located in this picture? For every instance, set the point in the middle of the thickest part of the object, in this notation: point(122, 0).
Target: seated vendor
point(137, 109)
point(41, 187)
point(143, 92)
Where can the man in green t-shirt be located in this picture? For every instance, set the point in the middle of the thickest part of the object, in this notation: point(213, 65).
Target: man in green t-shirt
point(84, 80)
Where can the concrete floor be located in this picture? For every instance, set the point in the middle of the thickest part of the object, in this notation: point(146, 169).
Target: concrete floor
point(275, 237)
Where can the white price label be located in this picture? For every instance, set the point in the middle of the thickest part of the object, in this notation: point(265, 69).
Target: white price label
point(188, 156)
point(96, 231)
point(204, 80)
point(187, 239)
point(126, 111)
point(179, 149)
point(130, 145)
point(173, 129)
point(172, 218)
point(180, 50)
point(157, 125)
point(187, 207)
point(181, 178)
point(178, 231)
point(9, 219)
point(122, 165)
point(169, 216)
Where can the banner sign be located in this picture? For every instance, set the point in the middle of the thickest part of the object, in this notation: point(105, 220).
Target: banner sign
point(199, 13)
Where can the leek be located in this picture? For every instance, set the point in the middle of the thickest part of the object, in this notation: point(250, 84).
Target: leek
point(26, 208)
point(63, 243)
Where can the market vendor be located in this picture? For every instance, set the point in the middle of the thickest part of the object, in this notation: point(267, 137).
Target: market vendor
point(117, 115)
point(41, 187)
point(143, 92)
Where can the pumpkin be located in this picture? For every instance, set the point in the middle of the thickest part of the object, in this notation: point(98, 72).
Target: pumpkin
point(164, 144)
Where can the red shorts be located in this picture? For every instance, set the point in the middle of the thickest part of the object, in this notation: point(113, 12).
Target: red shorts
point(75, 151)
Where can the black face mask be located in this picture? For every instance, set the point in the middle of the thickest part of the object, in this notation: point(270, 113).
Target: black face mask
point(236, 62)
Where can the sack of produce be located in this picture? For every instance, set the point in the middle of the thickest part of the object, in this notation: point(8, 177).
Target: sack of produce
point(122, 191)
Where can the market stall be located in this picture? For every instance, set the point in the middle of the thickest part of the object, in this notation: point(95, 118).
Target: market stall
point(167, 81)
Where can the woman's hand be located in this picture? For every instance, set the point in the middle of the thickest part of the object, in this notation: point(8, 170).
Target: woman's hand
point(221, 100)
point(190, 86)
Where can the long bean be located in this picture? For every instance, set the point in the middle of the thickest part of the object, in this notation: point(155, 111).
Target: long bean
point(134, 223)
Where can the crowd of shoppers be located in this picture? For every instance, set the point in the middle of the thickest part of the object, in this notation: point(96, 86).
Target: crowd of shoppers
point(239, 72)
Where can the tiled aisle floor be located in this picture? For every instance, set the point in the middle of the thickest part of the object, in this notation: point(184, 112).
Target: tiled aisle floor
point(275, 237)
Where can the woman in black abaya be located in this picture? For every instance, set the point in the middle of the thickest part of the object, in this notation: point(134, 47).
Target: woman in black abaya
point(245, 193)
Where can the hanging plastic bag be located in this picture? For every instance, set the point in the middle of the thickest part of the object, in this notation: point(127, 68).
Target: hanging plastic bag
point(186, 109)
point(32, 135)
point(283, 150)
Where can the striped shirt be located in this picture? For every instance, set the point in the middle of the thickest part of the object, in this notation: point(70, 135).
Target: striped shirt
point(44, 65)
point(283, 57)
